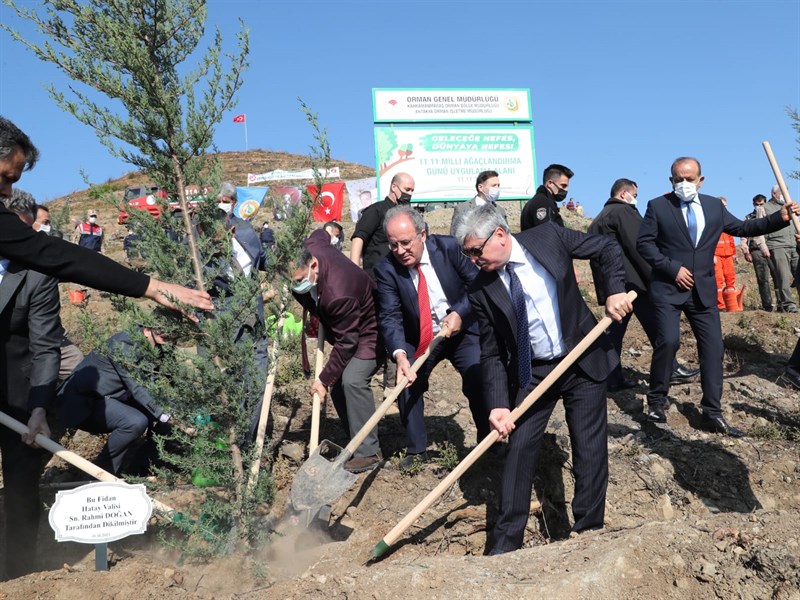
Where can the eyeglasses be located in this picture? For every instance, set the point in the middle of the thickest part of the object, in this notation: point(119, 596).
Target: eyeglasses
point(476, 252)
point(404, 244)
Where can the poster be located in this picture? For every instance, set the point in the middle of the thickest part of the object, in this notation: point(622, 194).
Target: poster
point(399, 105)
point(362, 193)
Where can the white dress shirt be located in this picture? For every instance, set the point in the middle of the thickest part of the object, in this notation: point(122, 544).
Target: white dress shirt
point(541, 300)
point(4, 262)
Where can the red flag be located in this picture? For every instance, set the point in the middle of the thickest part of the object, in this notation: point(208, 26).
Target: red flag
point(328, 204)
point(238, 119)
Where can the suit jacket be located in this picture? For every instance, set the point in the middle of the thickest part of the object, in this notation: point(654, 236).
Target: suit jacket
point(554, 247)
point(345, 306)
point(99, 376)
point(665, 244)
point(30, 339)
point(68, 262)
point(621, 221)
point(398, 305)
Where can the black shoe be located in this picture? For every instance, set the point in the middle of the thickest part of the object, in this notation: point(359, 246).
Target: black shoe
point(683, 375)
point(720, 425)
point(360, 464)
point(791, 377)
point(790, 309)
point(410, 460)
point(625, 384)
point(656, 414)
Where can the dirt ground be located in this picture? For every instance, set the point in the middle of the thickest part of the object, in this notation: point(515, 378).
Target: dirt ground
point(689, 514)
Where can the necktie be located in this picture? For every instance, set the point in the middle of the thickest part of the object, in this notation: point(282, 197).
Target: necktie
point(691, 222)
point(425, 320)
point(523, 335)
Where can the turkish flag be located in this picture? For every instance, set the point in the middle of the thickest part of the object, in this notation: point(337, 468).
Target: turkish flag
point(328, 203)
point(238, 119)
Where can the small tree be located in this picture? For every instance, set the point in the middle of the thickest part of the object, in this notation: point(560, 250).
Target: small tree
point(795, 117)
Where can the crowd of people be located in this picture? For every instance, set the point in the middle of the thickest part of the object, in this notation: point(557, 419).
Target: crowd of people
point(497, 297)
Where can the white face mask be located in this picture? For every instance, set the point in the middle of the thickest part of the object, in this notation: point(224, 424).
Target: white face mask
point(686, 191)
point(225, 206)
point(45, 228)
point(492, 194)
point(92, 219)
point(631, 199)
point(780, 199)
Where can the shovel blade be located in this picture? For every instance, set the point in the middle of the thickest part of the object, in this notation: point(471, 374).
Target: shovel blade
point(322, 479)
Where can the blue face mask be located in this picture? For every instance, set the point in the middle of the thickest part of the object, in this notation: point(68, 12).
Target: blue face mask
point(304, 286)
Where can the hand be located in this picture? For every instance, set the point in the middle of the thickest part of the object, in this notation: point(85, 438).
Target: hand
point(498, 420)
point(453, 322)
point(36, 424)
point(748, 257)
point(318, 388)
point(617, 306)
point(788, 209)
point(404, 368)
point(684, 279)
point(765, 251)
point(164, 293)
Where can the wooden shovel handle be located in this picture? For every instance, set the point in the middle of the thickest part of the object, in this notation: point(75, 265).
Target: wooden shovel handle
point(76, 460)
point(359, 438)
point(781, 183)
point(316, 407)
point(493, 436)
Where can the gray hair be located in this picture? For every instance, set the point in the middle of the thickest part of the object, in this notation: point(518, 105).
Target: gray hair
point(412, 213)
point(227, 189)
point(479, 222)
point(12, 137)
point(22, 203)
point(776, 189)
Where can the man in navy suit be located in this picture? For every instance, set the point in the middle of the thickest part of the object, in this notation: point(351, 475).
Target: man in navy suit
point(427, 271)
point(531, 314)
point(678, 237)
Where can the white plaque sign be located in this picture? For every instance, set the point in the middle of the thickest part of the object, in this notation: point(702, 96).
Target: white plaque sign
point(100, 512)
point(396, 105)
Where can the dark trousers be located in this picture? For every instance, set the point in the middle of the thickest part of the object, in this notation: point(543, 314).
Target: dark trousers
point(585, 408)
point(125, 423)
point(22, 467)
point(765, 277)
point(645, 312)
point(705, 324)
point(354, 403)
point(464, 352)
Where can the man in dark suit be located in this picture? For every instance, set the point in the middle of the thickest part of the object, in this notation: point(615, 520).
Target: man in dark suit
point(678, 238)
point(620, 220)
point(30, 340)
point(341, 295)
point(101, 397)
point(531, 314)
point(428, 271)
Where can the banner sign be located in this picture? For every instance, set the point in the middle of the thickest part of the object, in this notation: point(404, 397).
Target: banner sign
point(445, 161)
point(362, 193)
point(394, 105)
point(279, 175)
point(100, 512)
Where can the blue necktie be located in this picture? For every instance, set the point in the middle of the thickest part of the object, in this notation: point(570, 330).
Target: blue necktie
point(523, 335)
point(691, 222)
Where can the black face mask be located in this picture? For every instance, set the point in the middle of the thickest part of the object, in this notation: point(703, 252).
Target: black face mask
point(560, 195)
point(405, 198)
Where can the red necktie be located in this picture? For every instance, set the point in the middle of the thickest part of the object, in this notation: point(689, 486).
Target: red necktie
point(425, 320)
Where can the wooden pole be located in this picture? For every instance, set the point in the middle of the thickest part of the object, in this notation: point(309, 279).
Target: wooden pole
point(316, 407)
point(781, 183)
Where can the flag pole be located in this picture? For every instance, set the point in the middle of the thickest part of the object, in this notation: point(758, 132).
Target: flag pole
point(245, 133)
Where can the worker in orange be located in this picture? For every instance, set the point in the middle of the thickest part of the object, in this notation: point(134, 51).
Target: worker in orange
point(725, 255)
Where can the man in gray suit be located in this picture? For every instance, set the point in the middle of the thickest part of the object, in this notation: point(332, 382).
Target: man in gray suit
point(30, 337)
point(488, 187)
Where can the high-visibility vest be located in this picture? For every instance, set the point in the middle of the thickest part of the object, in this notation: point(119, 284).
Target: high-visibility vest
point(91, 236)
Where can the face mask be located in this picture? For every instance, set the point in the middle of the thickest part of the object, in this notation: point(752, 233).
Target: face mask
point(45, 228)
point(405, 198)
point(92, 219)
point(305, 286)
point(632, 200)
point(560, 195)
point(224, 206)
point(685, 190)
point(780, 199)
point(492, 194)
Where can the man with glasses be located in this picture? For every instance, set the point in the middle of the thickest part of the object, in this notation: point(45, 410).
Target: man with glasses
point(543, 207)
point(422, 289)
point(531, 315)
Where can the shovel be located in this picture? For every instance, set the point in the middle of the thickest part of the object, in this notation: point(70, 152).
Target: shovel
point(321, 479)
point(316, 407)
point(83, 464)
point(382, 546)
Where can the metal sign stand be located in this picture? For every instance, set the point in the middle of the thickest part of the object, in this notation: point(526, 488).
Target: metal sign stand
point(101, 557)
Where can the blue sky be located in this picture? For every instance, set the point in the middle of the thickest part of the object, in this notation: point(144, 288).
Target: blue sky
point(619, 89)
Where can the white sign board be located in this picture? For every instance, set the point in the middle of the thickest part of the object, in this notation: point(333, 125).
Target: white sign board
point(279, 175)
point(445, 161)
point(444, 105)
point(100, 512)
